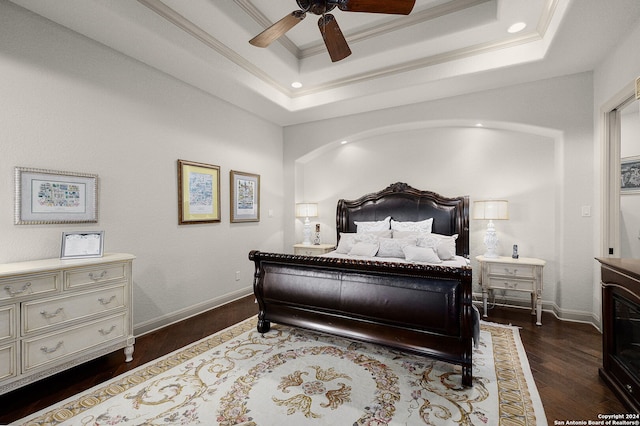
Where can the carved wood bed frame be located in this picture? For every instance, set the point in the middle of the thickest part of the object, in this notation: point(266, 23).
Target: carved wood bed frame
point(426, 309)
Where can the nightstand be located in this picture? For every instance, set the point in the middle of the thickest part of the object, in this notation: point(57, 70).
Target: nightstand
point(313, 249)
point(505, 273)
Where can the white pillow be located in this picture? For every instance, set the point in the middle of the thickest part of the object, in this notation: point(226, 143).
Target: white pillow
point(364, 249)
point(380, 225)
point(423, 226)
point(348, 239)
point(392, 247)
point(444, 245)
point(406, 234)
point(421, 254)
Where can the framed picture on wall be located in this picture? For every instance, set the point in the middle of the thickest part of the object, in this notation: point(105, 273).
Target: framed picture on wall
point(198, 193)
point(49, 196)
point(630, 175)
point(245, 196)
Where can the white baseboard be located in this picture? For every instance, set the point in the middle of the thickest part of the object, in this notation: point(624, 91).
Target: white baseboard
point(191, 311)
point(525, 303)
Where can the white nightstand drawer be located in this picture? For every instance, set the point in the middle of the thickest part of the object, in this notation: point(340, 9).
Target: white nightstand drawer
point(7, 322)
point(38, 315)
point(30, 286)
point(511, 284)
point(8, 361)
point(312, 249)
point(510, 270)
point(69, 342)
point(99, 274)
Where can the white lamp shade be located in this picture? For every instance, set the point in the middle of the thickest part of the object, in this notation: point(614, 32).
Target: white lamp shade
point(306, 210)
point(491, 209)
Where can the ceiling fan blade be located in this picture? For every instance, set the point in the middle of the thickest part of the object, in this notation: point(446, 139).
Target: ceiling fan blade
point(278, 29)
point(397, 7)
point(334, 40)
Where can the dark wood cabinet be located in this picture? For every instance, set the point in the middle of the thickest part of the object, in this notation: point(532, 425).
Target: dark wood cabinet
point(621, 329)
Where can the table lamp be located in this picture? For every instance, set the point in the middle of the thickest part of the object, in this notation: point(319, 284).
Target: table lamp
point(491, 210)
point(306, 210)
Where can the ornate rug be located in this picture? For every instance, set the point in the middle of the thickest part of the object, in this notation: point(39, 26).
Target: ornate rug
point(296, 377)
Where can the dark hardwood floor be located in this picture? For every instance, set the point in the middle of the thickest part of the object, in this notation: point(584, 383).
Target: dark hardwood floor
point(564, 358)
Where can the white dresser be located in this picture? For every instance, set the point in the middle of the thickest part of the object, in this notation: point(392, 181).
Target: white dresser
point(55, 314)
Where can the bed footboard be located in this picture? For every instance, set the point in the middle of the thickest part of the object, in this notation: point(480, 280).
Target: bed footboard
point(418, 308)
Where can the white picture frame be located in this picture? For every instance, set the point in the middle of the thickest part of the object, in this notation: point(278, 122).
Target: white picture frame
point(630, 175)
point(82, 244)
point(45, 197)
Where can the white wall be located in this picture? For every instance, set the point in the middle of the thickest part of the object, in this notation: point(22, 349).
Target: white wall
point(68, 103)
point(550, 119)
point(486, 162)
point(613, 79)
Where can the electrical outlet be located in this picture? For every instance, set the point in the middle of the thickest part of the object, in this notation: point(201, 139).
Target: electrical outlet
point(237, 275)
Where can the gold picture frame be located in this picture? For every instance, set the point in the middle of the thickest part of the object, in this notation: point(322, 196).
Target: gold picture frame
point(198, 193)
point(245, 196)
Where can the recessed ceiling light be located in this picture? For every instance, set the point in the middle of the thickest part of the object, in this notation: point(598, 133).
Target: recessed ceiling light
point(296, 85)
point(343, 142)
point(479, 125)
point(517, 27)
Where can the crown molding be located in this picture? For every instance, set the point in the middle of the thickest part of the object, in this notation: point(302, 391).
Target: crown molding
point(450, 7)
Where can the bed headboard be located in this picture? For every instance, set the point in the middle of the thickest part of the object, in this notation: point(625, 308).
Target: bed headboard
point(404, 203)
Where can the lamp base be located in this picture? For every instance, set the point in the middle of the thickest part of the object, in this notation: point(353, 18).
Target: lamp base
point(306, 232)
point(491, 241)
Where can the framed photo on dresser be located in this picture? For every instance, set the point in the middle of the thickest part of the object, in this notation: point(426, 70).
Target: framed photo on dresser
point(82, 244)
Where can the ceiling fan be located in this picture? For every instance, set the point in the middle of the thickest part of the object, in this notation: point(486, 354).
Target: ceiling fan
point(331, 34)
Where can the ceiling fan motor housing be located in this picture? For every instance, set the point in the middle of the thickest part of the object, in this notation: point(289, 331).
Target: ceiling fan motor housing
point(317, 7)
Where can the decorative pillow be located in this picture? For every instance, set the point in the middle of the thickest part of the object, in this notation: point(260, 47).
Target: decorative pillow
point(444, 245)
point(348, 239)
point(392, 247)
point(423, 226)
point(406, 234)
point(380, 225)
point(421, 254)
point(364, 249)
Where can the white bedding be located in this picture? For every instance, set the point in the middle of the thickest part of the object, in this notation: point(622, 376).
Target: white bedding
point(458, 261)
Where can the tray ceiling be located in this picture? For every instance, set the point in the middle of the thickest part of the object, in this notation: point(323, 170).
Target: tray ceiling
point(443, 48)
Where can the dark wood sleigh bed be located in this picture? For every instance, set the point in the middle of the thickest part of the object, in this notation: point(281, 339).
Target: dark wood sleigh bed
point(416, 307)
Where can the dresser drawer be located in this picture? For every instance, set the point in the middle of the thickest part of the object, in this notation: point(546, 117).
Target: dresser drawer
point(8, 322)
point(511, 284)
point(98, 274)
point(8, 361)
point(29, 285)
point(54, 347)
point(41, 314)
point(510, 270)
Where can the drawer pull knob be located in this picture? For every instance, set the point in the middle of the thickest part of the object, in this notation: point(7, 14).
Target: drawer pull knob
point(48, 315)
point(50, 351)
point(97, 277)
point(106, 302)
point(106, 333)
point(13, 292)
